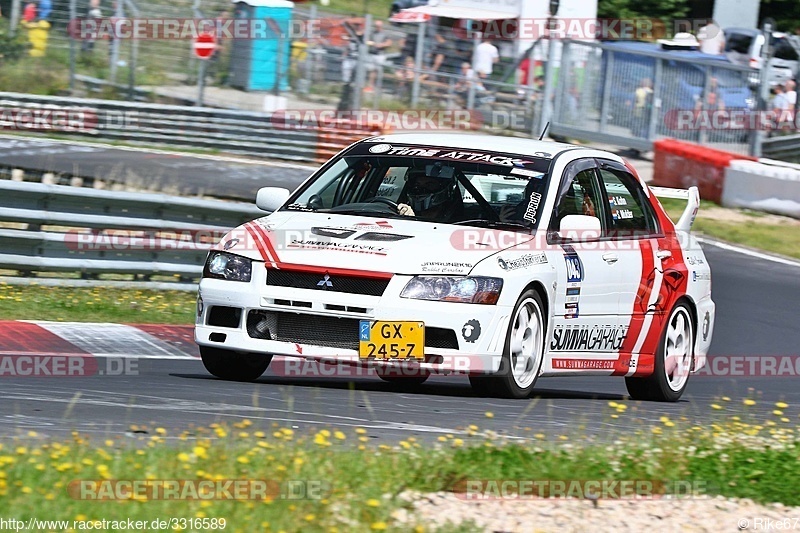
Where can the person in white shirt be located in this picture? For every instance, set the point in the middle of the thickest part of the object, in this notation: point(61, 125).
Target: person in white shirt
point(791, 93)
point(712, 40)
point(486, 55)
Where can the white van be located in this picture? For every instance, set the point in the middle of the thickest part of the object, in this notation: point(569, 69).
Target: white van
point(743, 47)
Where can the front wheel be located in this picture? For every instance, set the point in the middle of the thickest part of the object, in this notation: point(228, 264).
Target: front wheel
point(673, 361)
point(234, 366)
point(523, 352)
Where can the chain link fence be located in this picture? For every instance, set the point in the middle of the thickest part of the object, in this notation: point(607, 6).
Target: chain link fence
point(627, 94)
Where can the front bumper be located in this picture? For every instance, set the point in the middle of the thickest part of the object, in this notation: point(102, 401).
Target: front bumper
point(319, 324)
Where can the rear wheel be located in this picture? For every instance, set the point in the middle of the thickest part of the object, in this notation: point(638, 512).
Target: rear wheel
point(523, 352)
point(234, 366)
point(672, 362)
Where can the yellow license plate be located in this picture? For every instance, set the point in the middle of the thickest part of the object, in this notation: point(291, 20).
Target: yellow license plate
point(391, 340)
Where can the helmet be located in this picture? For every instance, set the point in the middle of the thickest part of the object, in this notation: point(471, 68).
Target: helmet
point(425, 192)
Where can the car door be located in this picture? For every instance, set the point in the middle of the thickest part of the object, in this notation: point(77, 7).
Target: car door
point(645, 263)
point(586, 306)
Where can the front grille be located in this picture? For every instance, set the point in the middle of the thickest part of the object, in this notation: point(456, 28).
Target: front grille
point(336, 283)
point(326, 330)
point(224, 317)
point(305, 329)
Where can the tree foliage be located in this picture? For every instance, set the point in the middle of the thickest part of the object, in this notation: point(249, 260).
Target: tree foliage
point(666, 10)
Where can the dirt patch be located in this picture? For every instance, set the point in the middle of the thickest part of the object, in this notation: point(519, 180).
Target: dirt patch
point(711, 514)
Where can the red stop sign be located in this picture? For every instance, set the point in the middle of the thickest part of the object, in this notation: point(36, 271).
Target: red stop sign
point(204, 45)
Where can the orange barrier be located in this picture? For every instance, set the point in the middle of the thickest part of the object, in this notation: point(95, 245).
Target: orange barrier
point(681, 165)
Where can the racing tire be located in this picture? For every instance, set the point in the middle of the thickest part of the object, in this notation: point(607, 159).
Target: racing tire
point(234, 366)
point(673, 361)
point(523, 352)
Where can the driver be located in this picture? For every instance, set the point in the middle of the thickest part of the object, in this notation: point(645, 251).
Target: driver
point(431, 198)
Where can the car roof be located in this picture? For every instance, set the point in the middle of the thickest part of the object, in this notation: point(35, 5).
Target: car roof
point(494, 143)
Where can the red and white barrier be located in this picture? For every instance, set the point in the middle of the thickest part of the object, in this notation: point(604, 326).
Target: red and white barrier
point(680, 165)
point(764, 185)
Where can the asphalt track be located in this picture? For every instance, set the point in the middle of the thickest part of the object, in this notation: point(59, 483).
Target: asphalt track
point(172, 173)
point(757, 304)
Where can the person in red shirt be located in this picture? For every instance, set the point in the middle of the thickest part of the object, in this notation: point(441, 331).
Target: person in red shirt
point(29, 13)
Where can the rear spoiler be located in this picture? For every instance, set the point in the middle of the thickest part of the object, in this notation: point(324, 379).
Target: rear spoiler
point(692, 197)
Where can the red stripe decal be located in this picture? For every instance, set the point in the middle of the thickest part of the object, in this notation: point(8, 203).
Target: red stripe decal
point(639, 307)
point(257, 240)
point(267, 241)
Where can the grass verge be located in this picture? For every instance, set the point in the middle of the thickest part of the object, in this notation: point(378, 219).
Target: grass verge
point(98, 304)
point(353, 486)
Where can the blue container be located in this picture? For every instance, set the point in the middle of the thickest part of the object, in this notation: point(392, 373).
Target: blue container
point(255, 60)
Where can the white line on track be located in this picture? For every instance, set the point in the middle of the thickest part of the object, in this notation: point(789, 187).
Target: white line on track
point(748, 251)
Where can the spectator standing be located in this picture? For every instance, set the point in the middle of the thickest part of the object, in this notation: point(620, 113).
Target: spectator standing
point(643, 104)
point(45, 8)
point(712, 40)
point(486, 55)
point(791, 93)
point(405, 78)
point(94, 14)
point(378, 45)
point(29, 13)
point(442, 49)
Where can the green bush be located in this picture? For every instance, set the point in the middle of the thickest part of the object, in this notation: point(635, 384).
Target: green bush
point(11, 48)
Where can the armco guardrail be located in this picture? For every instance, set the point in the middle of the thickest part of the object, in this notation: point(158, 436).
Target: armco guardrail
point(782, 147)
point(237, 132)
point(58, 228)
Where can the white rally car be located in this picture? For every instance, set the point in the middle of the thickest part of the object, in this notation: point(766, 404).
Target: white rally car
point(505, 259)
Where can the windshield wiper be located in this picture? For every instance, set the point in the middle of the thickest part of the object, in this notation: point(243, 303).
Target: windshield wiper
point(492, 224)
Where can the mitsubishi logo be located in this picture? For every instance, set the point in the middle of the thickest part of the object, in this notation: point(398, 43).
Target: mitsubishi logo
point(325, 282)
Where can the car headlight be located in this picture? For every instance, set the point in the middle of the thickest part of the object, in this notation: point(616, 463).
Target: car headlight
point(221, 265)
point(472, 290)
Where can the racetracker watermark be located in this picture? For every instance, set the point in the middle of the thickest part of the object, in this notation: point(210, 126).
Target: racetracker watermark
point(198, 489)
point(354, 367)
point(603, 29)
point(731, 120)
point(635, 489)
point(66, 366)
point(119, 240)
point(369, 119)
point(268, 242)
point(181, 29)
point(65, 119)
point(772, 366)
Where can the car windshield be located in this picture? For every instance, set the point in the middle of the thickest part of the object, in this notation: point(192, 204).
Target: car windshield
point(431, 184)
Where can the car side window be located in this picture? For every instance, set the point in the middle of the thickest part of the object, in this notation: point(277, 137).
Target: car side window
point(631, 213)
point(580, 197)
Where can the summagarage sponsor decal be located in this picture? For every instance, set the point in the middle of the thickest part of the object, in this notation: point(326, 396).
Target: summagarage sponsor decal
point(341, 246)
point(588, 338)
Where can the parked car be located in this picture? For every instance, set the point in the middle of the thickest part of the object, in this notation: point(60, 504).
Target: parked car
point(743, 46)
point(507, 259)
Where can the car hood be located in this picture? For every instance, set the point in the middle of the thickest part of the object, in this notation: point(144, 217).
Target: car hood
point(361, 243)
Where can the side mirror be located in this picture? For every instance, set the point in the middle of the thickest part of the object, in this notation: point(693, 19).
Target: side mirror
point(271, 198)
point(579, 228)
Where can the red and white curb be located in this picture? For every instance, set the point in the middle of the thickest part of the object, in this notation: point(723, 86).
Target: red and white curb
point(146, 341)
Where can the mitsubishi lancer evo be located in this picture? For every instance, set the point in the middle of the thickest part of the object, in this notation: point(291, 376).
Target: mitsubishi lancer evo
point(503, 259)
